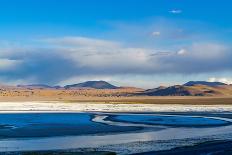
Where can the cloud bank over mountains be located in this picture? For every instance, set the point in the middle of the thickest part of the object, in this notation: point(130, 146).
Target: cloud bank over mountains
point(65, 57)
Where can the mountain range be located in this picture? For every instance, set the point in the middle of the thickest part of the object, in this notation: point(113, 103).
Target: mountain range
point(191, 88)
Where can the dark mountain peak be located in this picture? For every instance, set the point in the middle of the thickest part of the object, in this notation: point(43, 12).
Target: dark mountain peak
point(92, 84)
point(212, 84)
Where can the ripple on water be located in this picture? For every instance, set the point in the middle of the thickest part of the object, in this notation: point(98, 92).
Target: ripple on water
point(169, 120)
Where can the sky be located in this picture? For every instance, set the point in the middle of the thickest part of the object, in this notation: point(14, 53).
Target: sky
point(142, 43)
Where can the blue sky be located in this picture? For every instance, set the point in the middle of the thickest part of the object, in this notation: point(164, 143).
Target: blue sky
point(126, 42)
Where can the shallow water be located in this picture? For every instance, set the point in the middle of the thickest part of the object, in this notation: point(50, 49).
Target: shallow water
point(48, 131)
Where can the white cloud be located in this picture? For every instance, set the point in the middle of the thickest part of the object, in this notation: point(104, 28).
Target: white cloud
point(221, 79)
point(108, 58)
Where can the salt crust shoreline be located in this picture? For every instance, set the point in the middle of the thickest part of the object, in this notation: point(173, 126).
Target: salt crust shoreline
point(48, 106)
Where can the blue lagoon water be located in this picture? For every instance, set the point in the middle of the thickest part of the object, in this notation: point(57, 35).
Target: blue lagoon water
point(52, 124)
point(170, 120)
point(51, 131)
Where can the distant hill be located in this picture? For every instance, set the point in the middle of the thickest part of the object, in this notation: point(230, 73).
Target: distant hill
point(84, 85)
point(92, 84)
point(38, 86)
point(212, 84)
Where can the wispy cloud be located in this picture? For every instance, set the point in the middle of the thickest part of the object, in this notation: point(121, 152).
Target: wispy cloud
point(81, 41)
point(182, 52)
point(176, 11)
point(156, 33)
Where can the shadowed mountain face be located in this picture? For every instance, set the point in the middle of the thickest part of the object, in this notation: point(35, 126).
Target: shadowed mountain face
point(192, 83)
point(169, 91)
point(192, 88)
point(92, 84)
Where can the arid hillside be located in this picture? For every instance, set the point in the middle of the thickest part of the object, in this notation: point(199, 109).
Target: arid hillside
point(12, 93)
point(89, 92)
